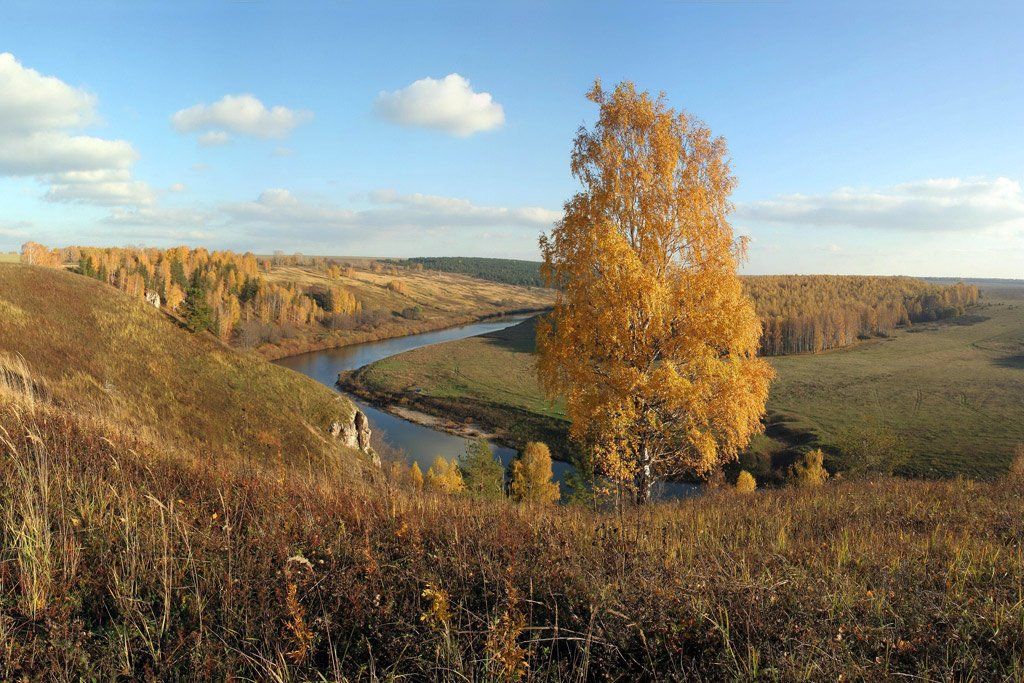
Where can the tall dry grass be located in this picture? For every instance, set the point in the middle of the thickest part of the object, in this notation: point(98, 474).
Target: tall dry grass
point(123, 559)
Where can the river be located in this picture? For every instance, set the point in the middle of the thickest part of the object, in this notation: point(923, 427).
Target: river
point(419, 443)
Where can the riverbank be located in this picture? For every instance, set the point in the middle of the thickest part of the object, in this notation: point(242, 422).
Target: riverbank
point(940, 399)
point(499, 424)
point(391, 330)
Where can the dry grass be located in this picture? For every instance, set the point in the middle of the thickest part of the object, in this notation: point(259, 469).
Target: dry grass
point(444, 299)
point(107, 354)
point(129, 552)
point(123, 560)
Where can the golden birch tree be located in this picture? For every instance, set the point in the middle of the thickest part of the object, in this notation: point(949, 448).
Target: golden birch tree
point(651, 342)
point(532, 476)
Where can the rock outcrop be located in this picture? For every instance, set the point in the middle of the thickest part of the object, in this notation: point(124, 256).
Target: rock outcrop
point(355, 434)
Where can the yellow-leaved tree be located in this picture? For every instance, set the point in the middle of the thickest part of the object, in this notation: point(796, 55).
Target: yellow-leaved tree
point(652, 342)
point(532, 476)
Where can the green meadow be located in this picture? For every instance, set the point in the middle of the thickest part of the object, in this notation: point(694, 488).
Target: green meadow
point(949, 394)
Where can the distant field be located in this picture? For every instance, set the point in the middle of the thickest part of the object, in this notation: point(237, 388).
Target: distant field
point(437, 293)
point(9, 257)
point(952, 391)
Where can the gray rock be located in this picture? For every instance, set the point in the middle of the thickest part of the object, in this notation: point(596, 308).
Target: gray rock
point(355, 434)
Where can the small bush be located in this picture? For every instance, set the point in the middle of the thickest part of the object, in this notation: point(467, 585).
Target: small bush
point(412, 313)
point(416, 476)
point(809, 471)
point(532, 476)
point(745, 483)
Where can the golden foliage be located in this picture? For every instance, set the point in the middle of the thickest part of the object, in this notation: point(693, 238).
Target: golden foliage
point(298, 570)
point(444, 476)
point(438, 612)
point(811, 313)
point(416, 476)
point(809, 471)
point(652, 342)
point(36, 254)
point(532, 476)
point(507, 660)
point(745, 483)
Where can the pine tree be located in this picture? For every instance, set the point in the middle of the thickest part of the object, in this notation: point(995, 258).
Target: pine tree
point(196, 312)
point(482, 471)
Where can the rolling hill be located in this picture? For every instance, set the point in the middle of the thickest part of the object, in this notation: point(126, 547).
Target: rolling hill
point(106, 354)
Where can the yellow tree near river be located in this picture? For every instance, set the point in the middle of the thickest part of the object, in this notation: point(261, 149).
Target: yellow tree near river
point(651, 342)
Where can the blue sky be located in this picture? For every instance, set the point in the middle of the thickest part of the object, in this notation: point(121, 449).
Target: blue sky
point(867, 139)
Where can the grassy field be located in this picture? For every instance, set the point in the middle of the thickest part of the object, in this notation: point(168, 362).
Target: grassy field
point(439, 294)
point(122, 561)
point(118, 359)
point(130, 550)
point(443, 300)
point(9, 257)
point(951, 392)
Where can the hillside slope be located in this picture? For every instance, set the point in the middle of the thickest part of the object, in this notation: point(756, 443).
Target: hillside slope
point(128, 551)
point(112, 356)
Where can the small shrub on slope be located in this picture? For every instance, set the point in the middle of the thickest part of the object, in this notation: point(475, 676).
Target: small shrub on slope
point(809, 471)
point(444, 476)
point(745, 483)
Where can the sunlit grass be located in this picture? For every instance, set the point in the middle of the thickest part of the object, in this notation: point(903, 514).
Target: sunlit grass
point(123, 559)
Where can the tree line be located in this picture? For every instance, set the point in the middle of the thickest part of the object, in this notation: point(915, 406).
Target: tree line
point(226, 293)
point(812, 313)
point(220, 291)
point(506, 271)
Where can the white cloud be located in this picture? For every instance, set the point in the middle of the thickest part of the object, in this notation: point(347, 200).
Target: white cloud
point(176, 225)
point(102, 188)
point(942, 205)
point(46, 151)
point(178, 187)
point(449, 105)
point(214, 138)
point(431, 210)
point(18, 229)
point(31, 101)
point(280, 209)
point(38, 115)
point(241, 114)
point(385, 222)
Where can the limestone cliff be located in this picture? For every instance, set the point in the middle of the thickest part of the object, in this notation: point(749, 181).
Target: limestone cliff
point(355, 434)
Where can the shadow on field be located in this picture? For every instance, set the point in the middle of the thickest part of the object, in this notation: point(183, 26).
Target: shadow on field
point(1016, 362)
point(520, 338)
